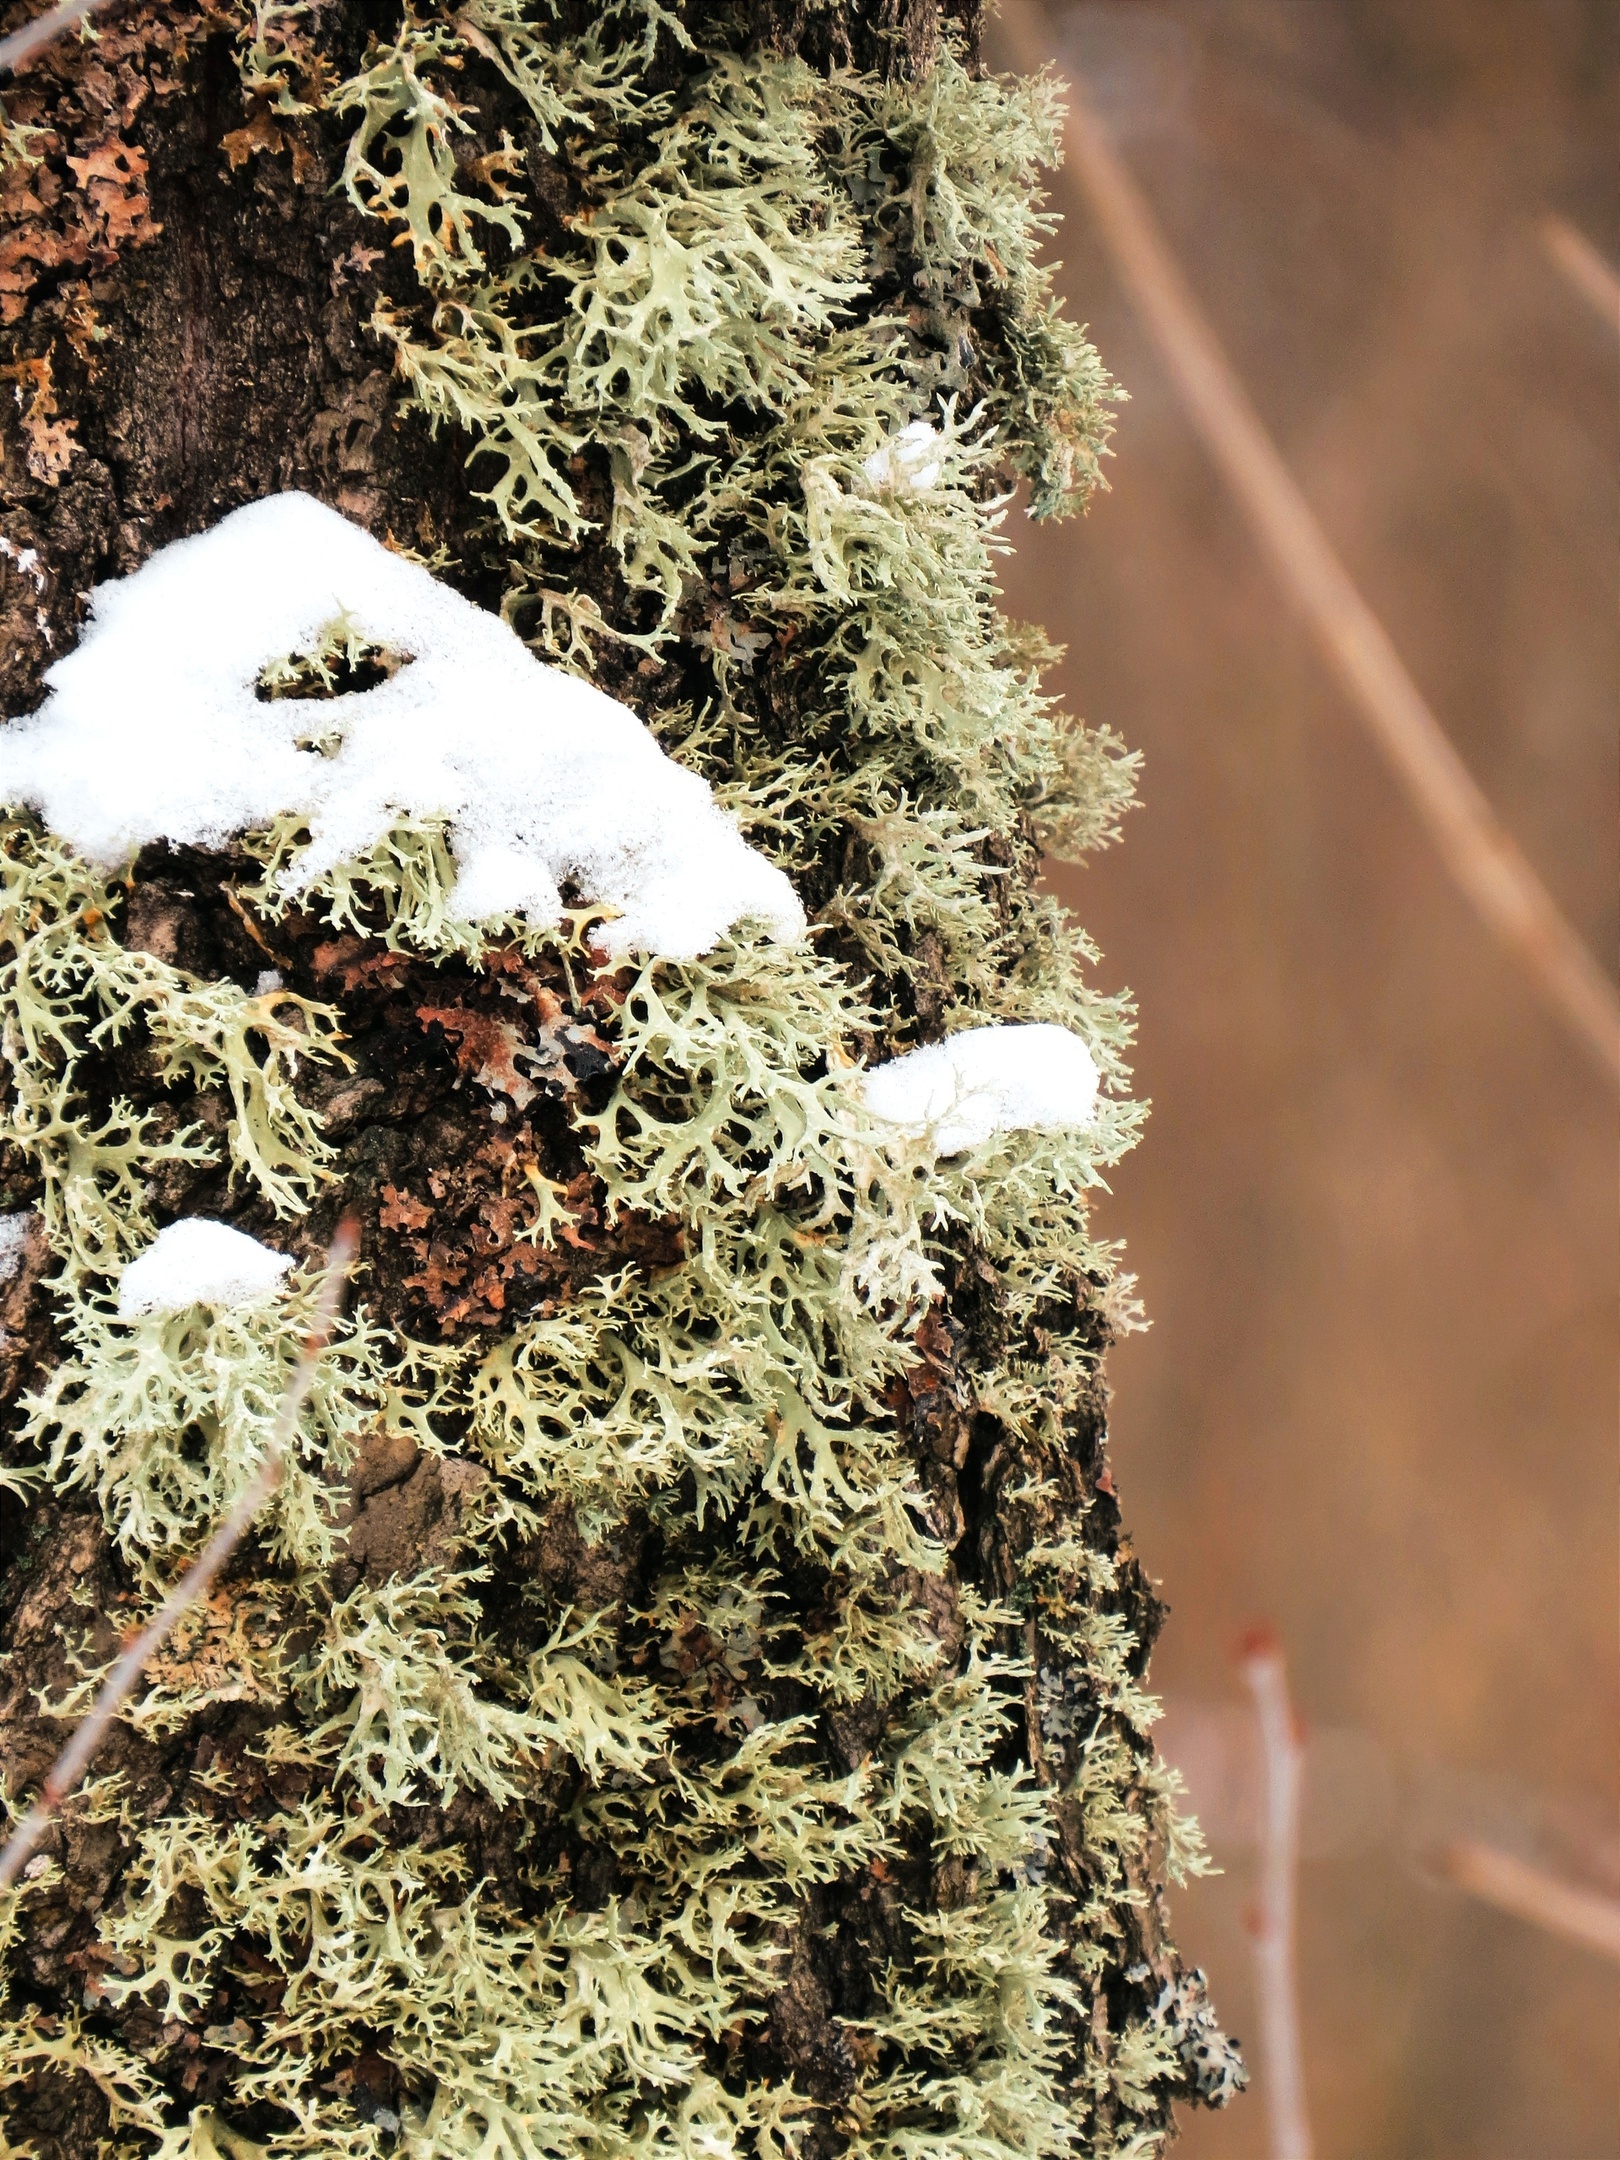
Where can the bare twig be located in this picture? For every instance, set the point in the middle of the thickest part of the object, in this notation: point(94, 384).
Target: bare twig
point(1530, 1893)
point(1481, 855)
point(45, 30)
point(1593, 276)
point(74, 1759)
point(1283, 1759)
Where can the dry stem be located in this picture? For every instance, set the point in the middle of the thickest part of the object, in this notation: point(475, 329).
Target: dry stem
point(1482, 856)
point(1530, 1893)
point(1591, 274)
point(1277, 1984)
point(45, 30)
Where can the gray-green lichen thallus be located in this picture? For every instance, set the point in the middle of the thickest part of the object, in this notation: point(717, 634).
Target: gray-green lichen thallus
point(687, 1698)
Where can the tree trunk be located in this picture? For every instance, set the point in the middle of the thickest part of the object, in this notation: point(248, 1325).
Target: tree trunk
point(687, 1696)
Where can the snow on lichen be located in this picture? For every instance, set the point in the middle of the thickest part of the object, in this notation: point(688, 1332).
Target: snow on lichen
point(196, 1262)
point(908, 463)
point(155, 729)
point(985, 1081)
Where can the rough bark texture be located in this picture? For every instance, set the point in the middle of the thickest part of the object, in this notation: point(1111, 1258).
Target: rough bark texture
point(190, 301)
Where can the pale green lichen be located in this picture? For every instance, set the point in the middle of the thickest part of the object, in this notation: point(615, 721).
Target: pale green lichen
point(167, 1417)
point(69, 989)
point(769, 272)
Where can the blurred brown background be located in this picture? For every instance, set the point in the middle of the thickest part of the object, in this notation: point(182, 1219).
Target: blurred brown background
point(1375, 1214)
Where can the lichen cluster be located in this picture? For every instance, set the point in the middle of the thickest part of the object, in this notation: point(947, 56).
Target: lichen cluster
point(829, 1745)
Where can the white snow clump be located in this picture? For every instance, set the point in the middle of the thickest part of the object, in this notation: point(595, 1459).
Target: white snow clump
point(197, 1262)
point(13, 1243)
point(907, 463)
point(987, 1080)
point(153, 731)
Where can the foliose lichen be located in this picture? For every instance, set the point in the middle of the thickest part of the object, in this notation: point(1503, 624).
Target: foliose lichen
point(848, 1707)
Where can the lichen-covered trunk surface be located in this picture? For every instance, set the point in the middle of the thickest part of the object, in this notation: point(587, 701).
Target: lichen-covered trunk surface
point(687, 1696)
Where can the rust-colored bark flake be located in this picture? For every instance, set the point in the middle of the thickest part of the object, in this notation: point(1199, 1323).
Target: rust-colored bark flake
point(74, 190)
point(112, 177)
point(401, 1212)
point(356, 961)
point(261, 133)
point(48, 440)
point(548, 1047)
point(487, 1049)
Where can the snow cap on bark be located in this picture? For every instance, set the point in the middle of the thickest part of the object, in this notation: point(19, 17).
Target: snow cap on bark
point(985, 1081)
point(156, 729)
point(197, 1262)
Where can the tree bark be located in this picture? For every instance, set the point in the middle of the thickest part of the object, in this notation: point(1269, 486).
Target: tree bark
point(193, 304)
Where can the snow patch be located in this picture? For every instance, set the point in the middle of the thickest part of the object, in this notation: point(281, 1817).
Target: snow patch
point(985, 1081)
point(24, 559)
point(153, 731)
point(908, 463)
point(197, 1262)
point(13, 1243)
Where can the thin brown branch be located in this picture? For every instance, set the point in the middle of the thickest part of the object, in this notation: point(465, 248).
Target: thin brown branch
point(1530, 1893)
point(1277, 1985)
point(45, 30)
point(75, 1758)
point(1593, 276)
point(1482, 856)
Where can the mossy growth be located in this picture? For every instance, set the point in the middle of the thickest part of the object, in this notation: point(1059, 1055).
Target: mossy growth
point(755, 1760)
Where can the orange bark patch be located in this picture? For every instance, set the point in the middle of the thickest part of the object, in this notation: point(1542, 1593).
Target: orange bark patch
point(486, 1049)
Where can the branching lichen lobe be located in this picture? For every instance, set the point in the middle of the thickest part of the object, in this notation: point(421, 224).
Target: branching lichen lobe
point(689, 1695)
